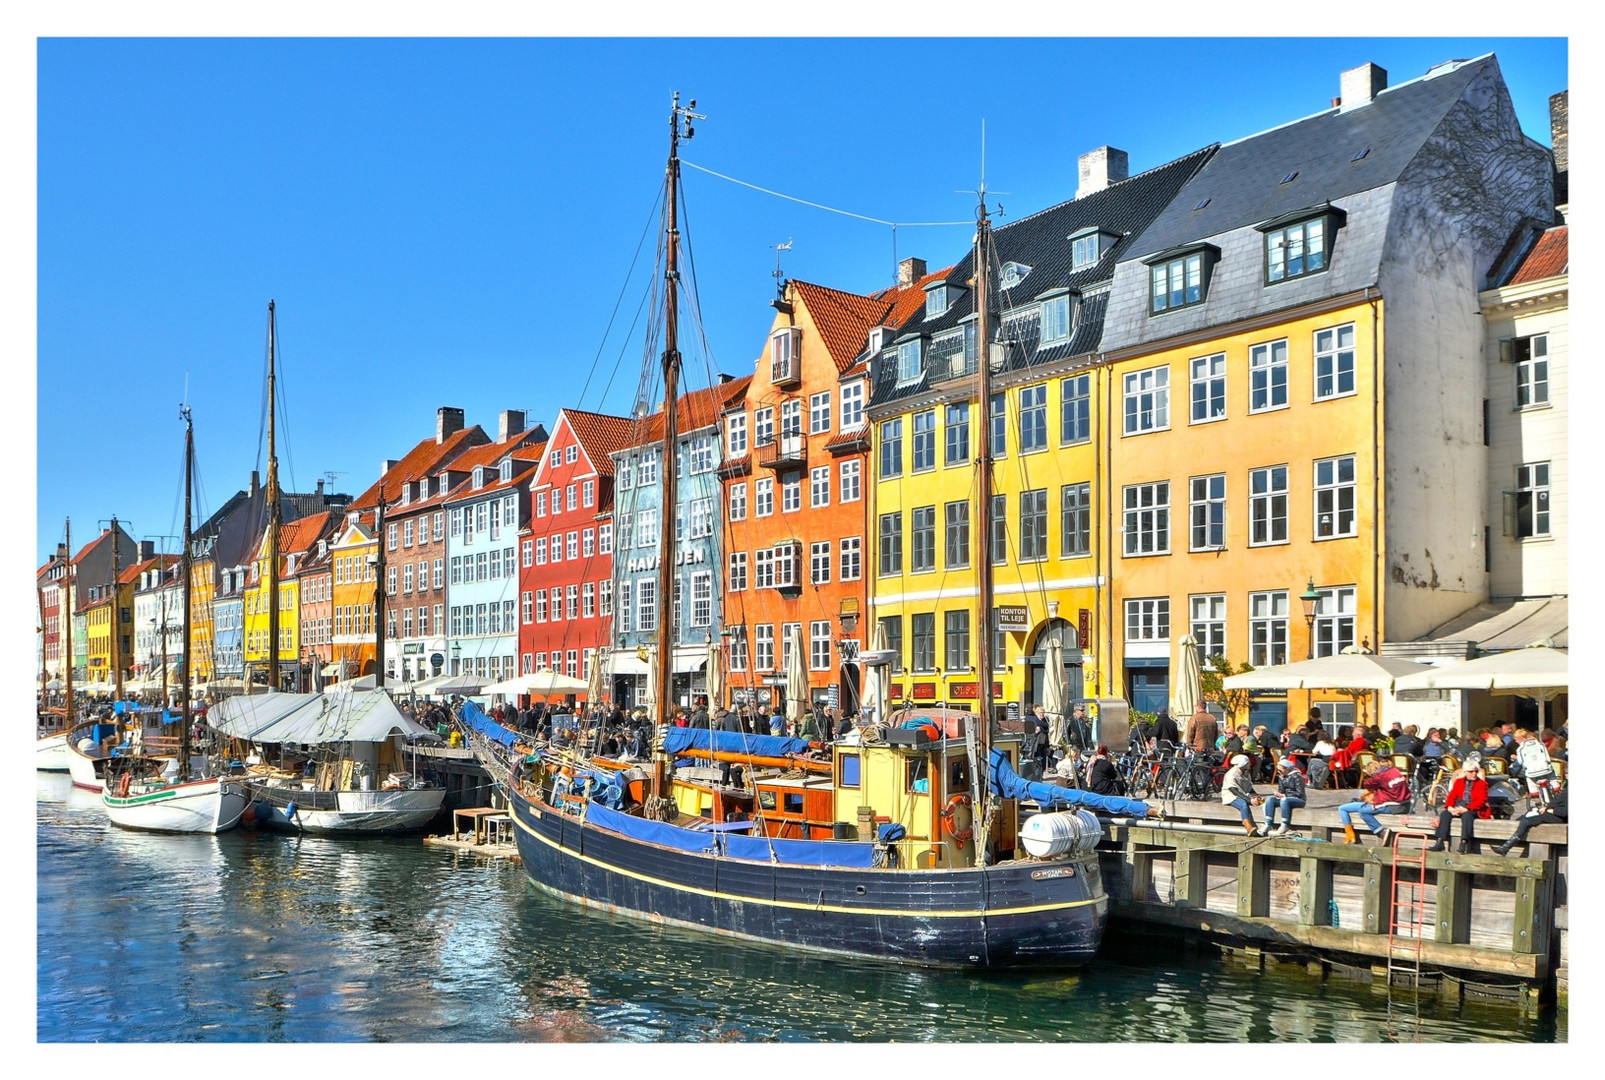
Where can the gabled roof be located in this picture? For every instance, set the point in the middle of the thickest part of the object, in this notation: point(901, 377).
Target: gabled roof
point(842, 318)
point(424, 459)
point(600, 435)
point(491, 453)
point(299, 536)
point(1548, 258)
point(697, 409)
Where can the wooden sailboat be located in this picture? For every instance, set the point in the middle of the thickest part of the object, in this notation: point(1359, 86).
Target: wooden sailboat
point(966, 896)
point(161, 789)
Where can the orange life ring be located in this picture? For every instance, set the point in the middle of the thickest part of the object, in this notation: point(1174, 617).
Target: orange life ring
point(961, 835)
point(122, 788)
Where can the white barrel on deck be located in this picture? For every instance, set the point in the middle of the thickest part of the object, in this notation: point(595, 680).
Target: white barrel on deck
point(1062, 833)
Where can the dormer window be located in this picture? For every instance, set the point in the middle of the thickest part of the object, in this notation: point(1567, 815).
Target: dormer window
point(1012, 273)
point(910, 361)
point(785, 355)
point(1180, 277)
point(444, 480)
point(507, 470)
point(479, 476)
point(1300, 243)
point(937, 299)
point(877, 338)
point(1055, 321)
point(1088, 246)
point(406, 493)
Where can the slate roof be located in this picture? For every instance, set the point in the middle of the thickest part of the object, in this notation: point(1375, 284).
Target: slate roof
point(1040, 245)
point(1244, 180)
point(1547, 259)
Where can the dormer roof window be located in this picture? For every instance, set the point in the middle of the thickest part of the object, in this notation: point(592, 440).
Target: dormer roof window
point(1300, 243)
point(479, 476)
point(507, 469)
point(910, 360)
point(937, 299)
point(1087, 246)
point(1179, 277)
point(1012, 273)
point(877, 337)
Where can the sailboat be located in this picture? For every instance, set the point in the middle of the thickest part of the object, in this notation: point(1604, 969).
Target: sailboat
point(977, 894)
point(160, 788)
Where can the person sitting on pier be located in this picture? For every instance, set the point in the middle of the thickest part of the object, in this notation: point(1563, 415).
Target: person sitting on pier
point(1467, 800)
point(1289, 796)
point(1237, 790)
point(1102, 776)
point(1554, 815)
point(1384, 790)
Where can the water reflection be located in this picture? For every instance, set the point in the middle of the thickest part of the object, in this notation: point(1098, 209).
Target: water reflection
point(268, 937)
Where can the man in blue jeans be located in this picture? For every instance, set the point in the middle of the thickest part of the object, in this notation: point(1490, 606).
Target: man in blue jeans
point(1389, 793)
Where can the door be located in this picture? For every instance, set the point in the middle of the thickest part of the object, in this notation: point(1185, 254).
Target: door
point(1148, 688)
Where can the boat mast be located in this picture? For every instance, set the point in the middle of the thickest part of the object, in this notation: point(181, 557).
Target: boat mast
point(116, 621)
point(379, 594)
point(664, 676)
point(273, 513)
point(983, 519)
point(184, 565)
point(68, 600)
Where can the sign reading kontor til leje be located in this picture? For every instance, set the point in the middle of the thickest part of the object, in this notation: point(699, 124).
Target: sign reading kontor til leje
point(1011, 617)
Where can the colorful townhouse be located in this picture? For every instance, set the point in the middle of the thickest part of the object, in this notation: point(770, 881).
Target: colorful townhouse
point(1320, 483)
point(1051, 272)
point(566, 601)
point(92, 606)
point(55, 608)
point(355, 554)
point(637, 542)
point(315, 586)
point(297, 542)
point(795, 503)
point(484, 517)
point(158, 625)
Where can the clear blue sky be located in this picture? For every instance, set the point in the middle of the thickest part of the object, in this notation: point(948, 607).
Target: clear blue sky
point(451, 221)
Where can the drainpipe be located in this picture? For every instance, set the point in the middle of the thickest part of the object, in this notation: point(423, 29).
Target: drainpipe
point(1379, 566)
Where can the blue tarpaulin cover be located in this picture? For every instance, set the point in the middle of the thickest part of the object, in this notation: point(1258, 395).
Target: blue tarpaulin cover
point(756, 849)
point(1011, 785)
point(680, 739)
point(475, 717)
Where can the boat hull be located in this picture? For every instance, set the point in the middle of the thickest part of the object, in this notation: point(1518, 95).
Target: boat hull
point(366, 813)
point(1015, 914)
point(87, 772)
point(199, 806)
point(52, 753)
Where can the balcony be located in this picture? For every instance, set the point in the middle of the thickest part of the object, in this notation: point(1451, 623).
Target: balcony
point(789, 451)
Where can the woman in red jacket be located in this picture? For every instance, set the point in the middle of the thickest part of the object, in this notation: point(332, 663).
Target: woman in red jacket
point(1350, 742)
point(1467, 800)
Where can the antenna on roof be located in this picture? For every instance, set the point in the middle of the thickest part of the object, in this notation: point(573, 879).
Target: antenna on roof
point(780, 278)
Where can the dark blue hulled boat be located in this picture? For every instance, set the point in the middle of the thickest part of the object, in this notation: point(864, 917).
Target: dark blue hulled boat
point(901, 844)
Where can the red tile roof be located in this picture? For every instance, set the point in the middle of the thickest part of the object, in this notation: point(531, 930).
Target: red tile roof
point(491, 453)
point(843, 319)
point(600, 434)
point(908, 299)
point(302, 534)
point(1548, 258)
point(422, 460)
point(698, 409)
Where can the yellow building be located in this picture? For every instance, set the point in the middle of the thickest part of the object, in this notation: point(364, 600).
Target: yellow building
point(202, 590)
point(354, 558)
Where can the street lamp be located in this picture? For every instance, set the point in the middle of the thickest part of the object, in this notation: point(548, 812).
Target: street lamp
point(1312, 600)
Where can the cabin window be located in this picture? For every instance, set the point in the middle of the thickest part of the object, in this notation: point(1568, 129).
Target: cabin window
point(958, 775)
point(793, 802)
point(919, 775)
point(766, 800)
point(847, 769)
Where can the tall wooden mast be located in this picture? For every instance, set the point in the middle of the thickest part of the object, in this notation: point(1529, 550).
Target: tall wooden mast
point(116, 620)
point(273, 514)
point(67, 601)
point(185, 565)
point(983, 521)
point(379, 571)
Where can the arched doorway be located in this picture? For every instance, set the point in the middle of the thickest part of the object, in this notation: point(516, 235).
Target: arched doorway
point(1036, 662)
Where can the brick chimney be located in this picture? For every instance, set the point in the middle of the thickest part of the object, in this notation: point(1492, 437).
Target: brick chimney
point(909, 271)
point(1099, 168)
point(448, 422)
point(256, 482)
point(147, 550)
point(1360, 85)
point(386, 465)
point(509, 422)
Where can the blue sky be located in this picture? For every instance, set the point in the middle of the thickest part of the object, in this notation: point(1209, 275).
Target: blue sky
point(452, 221)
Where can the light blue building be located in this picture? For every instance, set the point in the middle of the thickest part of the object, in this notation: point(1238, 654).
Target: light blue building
point(483, 518)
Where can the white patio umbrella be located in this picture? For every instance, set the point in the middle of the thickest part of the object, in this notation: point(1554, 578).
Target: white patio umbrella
point(796, 680)
point(1055, 692)
point(446, 685)
point(1538, 672)
point(1184, 679)
point(593, 686)
point(875, 685)
point(1343, 671)
point(544, 682)
point(715, 675)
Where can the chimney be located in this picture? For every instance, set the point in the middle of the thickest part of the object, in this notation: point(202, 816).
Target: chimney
point(909, 271)
point(509, 423)
point(1558, 115)
point(147, 550)
point(1359, 85)
point(256, 482)
point(1099, 168)
point(448, 422)
point(385, 466)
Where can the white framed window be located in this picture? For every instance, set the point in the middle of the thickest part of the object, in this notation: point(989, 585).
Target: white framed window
point(936, 300)
point(604, 595)
point(1335, 498)
point(1530, 355)
point(526, 550)
point(701, 518)
point(1208, 388)
point(909, 366)
point(623, 475)
point(785, 355)
point(1147, 518)
point(735, 434)
point(819, 486)
point(764, 492)
point(1055, 319)
point(788, 571)
point(819, 413)
point(438, 522)
point(790, 418)
point(1147, 400)
point(1075, 409)
point(763, 426)
point(1267, 627)
point(1207, 512)
point(540, 555)
point(587, 496)
point(588, 543)
point(647, 474)
point(1334, 619)
point(852, 558)
point(1207, 619)
point(604, 538)
point(819, 645)
point(1527, 508)
point(791, 494)
point(573, 545)
point(1267, 505)
point(738, 502)
point(1148, 618)
point(1085, 249)
point(1267, 376)
point(1033, 418)
point(457, 521)
point(540, 605)
point(646, 528)
point(702, 598)
point(850, 471)
point(571, 453)
point(738, 571)
point(763, 568)
point(626, 611)
point(527, 606)
point(763, 640)
point(852, 405)
point(1334, 362)
point(540, 503)
point(819, 562)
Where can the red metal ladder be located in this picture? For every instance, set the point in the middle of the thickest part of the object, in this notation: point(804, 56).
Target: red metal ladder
point(1407, 922)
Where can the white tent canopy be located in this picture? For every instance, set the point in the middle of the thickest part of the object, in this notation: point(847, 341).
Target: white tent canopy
point(351, 716)
point(542, 682)
point(1536, 671)
point(1344, 671)
point(443, 685)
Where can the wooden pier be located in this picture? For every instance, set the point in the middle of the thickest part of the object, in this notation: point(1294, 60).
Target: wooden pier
point(1487, 923)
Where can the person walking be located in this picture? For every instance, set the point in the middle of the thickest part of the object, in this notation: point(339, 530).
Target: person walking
point(1201, 730)
point(1237, 790)
point(1467, 800)
point(1289, 796)
point(1165, 729)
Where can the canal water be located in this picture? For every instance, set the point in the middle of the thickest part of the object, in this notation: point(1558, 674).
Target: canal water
point(259, 937)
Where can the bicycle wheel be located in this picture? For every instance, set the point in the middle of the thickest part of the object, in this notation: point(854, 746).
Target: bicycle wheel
point(1198, 782)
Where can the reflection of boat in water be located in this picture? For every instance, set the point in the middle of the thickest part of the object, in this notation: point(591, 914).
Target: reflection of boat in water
point(340, 762)
point(900, 844)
